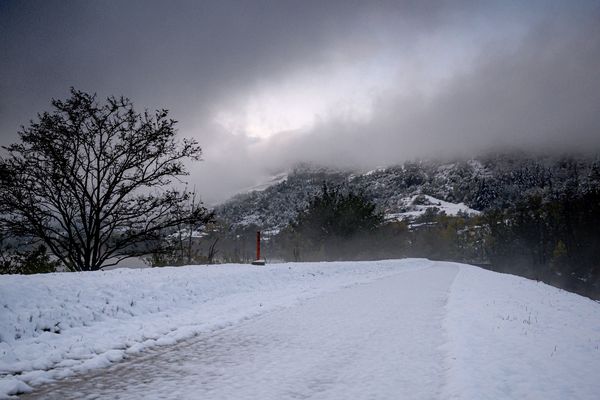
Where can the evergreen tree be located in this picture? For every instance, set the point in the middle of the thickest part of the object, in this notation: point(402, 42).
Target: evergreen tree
point(332, 218)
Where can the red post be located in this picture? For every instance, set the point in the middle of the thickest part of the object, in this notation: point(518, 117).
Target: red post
point(258, 245)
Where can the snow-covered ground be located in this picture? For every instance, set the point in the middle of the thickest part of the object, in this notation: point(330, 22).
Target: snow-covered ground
point(55, 325)
point(418, 205)
point(313, 330)
point(272, 181)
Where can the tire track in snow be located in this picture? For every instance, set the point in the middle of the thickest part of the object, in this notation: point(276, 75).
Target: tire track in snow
point(379, 340)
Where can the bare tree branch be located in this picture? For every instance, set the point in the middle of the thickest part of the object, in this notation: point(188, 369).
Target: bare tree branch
point(89, 181)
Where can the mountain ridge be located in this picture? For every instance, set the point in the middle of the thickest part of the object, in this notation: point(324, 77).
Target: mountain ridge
point(480, 183)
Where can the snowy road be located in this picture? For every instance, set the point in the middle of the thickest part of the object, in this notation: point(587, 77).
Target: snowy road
point(380, 340)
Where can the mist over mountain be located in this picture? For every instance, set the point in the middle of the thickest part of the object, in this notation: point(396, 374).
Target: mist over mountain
point(265, 85)
point(480, 183)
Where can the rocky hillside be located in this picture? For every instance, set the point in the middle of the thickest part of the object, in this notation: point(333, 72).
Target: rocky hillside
point(408, 190)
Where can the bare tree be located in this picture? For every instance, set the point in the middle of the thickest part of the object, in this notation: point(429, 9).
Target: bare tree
point(180, 249)
point(212, 251)
point(91, 181)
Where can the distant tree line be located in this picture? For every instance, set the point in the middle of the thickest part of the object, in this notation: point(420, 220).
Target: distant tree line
point(555, 240)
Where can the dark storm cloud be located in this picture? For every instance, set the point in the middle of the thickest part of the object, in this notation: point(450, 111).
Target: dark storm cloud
point(543, 95)
point(534, 88)
point(184, 55)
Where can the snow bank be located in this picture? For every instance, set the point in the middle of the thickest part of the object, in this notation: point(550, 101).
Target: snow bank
point(54, 325)
point(514, 338)
point(505, 337)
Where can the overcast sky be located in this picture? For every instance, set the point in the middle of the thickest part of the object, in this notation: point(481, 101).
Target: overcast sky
point(266, 85)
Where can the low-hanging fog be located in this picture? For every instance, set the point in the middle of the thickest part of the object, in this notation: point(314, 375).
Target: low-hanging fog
point(266, 85)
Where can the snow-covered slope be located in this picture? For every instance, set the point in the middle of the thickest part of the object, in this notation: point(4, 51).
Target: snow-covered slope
point(477, 184)
point(497, 336)
point(53, 325)
point(514, 338)
point(419, 204)
point(274, 180)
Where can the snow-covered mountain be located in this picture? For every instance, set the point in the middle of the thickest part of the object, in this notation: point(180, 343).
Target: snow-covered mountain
point(410, 189)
